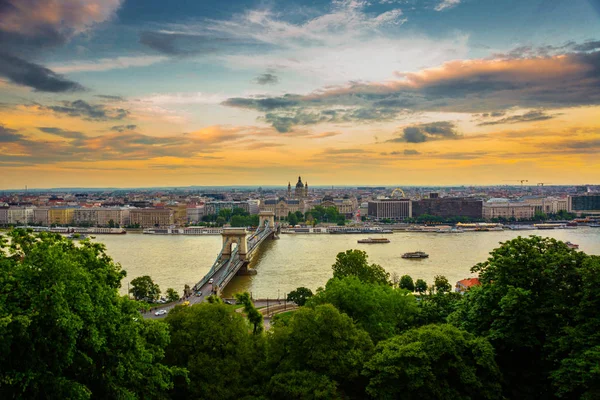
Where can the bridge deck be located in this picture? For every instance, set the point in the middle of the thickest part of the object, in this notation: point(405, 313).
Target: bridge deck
point(225, 267)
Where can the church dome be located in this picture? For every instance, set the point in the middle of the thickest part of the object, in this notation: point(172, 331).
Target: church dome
point(299, 185)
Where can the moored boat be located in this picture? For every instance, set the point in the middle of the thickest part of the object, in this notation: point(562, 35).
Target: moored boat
point(572, 245)
point(374, 240)
point(415, 254)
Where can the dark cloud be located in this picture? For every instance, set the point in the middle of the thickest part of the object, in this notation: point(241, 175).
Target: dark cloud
point(179, 44)
point(40, 78)
point(9, 135)
point(91, 112)
point(268, 78)
point(62, 133)
point(427, 132)
point(30, 27)
point(474, 86)
point(109, 97)
point(122, 128)
point(530, 116)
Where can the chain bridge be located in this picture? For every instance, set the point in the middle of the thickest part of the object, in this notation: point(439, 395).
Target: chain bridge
point(235, 256)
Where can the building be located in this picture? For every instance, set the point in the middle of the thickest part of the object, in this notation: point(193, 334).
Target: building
point(60, 216)
point(85, 216)
point(20, 215)
point(394, 209)
point(119, 216)
point(463, 285)
point(347, 206)
point(214, 207)
point(448, 207)
point(3, 215)
point(502, 208)
point(546, 205)
point(195, 214)
point(301, 191)
point(588, 204)
point(282, 206)
point(152, 217)
point(40, 216)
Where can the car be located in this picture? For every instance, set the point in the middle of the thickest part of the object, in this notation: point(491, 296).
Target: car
point(229, 302)
point(160, 312)
point(198, 293)
point(211, 280)
point(186, 303)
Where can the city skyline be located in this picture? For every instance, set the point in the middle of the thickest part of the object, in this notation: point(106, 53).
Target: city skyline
point(132, 93)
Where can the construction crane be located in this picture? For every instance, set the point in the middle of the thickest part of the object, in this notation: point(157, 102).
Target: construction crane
point(517, 180)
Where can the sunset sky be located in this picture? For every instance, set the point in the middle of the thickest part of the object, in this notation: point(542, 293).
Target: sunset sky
point(138, 93)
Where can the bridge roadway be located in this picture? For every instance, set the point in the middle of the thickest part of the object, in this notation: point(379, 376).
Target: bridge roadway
point(223, 270)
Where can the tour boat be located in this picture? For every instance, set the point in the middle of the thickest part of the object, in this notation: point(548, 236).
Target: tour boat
point(415, 254)
point(572, 245)
point(374, 240)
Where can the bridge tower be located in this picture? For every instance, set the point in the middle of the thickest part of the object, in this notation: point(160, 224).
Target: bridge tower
point(267, 216)
point(234, 236)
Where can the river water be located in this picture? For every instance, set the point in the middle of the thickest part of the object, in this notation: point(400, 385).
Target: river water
point(305, 260)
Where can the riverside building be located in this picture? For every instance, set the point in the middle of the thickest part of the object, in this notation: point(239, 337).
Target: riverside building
point(588, 204)
point(394, 209)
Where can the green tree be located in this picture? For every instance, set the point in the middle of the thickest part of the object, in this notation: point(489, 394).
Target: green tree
point(406, 282)
point(212, 299)
point(212, 343)
point(354, 263)
point(324, 341)
point(529, 299)
point(172, 295)
point(433, 362)
point(380, 310)
point(299, 215)
point(66, 332)
point(240, 211)
point(254, 317)
point(292, 219)
point(300, 295)
point(225, 213)
point(441, 284)
point(111, 223)
point(306, 385)
point(144, 289)
point(420, 286)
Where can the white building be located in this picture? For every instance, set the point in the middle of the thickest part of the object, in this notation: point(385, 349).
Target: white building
point(20, 215)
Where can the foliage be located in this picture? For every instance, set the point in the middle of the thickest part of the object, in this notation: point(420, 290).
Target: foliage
point(143, 288)
point(326, 214)
point(406, 282)
point(254, 317)
point(172, 295)
point(531, 300)
point(66, 332)
point(212, 342)
point(420, 286)
point(213, 298)
point(441, 284)
point(436, 307)
point(306, 385)
point(380, 310)
point(300, 295)
point(322, 340)
point(433, 362)
point(354, 263)
point(292, 219)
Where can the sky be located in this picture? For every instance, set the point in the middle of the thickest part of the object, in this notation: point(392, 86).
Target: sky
point(141, 93)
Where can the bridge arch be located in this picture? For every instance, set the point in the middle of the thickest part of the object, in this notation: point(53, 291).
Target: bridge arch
point(235, 236)
point(267, 216)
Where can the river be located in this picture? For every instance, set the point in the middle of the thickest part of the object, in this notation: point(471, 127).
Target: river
point(305, 260)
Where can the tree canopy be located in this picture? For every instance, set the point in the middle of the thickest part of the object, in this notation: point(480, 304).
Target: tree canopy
point(355, 263)
point(433, 362)
point(300, 296)
point(66, 332)
point(534, 302)
point(143, 288)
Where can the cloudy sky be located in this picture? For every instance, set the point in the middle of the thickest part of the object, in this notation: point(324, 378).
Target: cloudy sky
point(127, 93)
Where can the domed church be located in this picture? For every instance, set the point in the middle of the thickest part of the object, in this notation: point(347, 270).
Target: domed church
point(301, 191)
